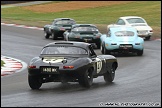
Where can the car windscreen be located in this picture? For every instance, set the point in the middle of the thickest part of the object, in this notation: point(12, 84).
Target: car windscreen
point(65, 22)
point(135, 20)
point(124, 33)
point(80, 29)
point(64, 50)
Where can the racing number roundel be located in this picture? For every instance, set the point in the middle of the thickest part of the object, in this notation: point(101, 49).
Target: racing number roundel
point(53, 60)
point(99, 65)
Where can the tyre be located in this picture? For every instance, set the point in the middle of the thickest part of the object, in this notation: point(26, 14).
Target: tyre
point(102, 49)
point(86, 79)
point(35, 82)
point(109, 75)
point(140, 52)
point(53, 36)
point(46, 35)
point(105, 51)
point(65, 38)
point(98, 45)
point(147, 38)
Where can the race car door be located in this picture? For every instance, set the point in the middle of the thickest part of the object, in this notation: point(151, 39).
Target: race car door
point(99, 62)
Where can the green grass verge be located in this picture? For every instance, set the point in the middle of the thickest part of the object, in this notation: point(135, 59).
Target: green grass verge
point(2, 62)
point(149, 10)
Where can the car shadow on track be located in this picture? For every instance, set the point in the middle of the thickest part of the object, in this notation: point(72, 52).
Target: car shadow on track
point(71, 87)
point(124, 54)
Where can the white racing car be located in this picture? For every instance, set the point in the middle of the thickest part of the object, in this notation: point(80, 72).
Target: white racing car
point(143, 29)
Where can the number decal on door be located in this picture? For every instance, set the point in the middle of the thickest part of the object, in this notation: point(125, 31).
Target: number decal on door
point(99, 65)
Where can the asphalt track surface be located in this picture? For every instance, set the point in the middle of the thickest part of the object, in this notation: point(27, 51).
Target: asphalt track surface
point(137, 81)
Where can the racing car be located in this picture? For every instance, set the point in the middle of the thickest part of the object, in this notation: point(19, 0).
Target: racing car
point(122, 39)
point(84, 33)
point(68, 61)
point(139, 23)
point(58, 27)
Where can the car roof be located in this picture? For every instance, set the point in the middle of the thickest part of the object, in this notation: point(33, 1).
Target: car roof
point(127, 17)
point(120, 28)
point(69, 43)
point(77, 25)
point(63, 19)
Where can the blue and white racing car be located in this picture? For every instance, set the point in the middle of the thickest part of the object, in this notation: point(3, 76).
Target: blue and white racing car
point(122, 39)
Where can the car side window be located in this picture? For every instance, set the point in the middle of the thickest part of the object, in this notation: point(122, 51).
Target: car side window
point(120, 22)
point(91, 51)
point(53, 23)
point(109, 33)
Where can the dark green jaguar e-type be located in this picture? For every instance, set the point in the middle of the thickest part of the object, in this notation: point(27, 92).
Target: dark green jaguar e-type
point(88, 33)
point(58, 27)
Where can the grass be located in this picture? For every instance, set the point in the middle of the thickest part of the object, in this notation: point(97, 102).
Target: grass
point(2, 63)
point(101, 16)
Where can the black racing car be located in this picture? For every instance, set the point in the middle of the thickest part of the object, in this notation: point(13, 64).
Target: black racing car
point(68, 61)
point(58, 27)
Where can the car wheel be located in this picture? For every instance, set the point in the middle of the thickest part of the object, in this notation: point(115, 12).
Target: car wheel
point(46, 35)
point(102, 49)
point(147, 38)
point(105, 51)
point(86, 79)
point(53, 36)
point(34, 82)
point(140, 52)
point(98, 45)
point(109, 75)
point(65, 38)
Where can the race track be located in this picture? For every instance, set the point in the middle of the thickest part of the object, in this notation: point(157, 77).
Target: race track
point(137, 80)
